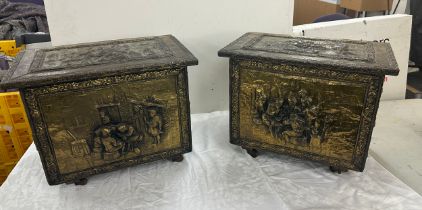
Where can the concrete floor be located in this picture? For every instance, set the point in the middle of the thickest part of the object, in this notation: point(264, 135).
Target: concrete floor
point(414, 85)
point(397, 140)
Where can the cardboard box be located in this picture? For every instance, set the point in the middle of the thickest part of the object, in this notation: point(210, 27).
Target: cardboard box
point(367, 5)
point(306, 11)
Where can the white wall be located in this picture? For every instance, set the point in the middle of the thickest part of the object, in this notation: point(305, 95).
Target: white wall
point(394, 27)
point(204, 26)
point(401, 9)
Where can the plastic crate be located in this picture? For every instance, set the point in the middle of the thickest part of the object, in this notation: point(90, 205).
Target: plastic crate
point(5, 170)
point(2, 179)
point(8, 47)
point(15, 132)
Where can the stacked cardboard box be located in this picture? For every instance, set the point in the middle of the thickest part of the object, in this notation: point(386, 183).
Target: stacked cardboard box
point(367, 5)
point(306, 11)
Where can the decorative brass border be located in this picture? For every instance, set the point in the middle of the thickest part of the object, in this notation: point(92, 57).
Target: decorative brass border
point(373, 93)
point(43, 141)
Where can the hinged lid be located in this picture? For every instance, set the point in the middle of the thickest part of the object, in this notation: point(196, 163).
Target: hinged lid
point(93, 60)
point(343, 55)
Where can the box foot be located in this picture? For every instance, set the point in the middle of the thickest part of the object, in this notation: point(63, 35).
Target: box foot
point(82, 181)
point(337, 169)
point(177, 158)
point(252, 152)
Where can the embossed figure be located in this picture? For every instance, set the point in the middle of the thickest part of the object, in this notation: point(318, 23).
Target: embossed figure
point(272, 119)
point(154, 123)
point(292, 118)
point(114, 139)
point(97, 148)
point(105, 145)
point(316, 138)
point(112, 146)
point(105, 119)
point(149, 119)
point(259, 101)
point(130, 137)
point(138, 118)
point(305, 101)
point(298, 132)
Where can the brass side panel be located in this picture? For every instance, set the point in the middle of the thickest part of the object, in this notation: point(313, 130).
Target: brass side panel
point(94, 127)
point(309, 114)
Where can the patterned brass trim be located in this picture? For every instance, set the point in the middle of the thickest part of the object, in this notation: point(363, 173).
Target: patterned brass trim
point(44, 144)
point(369, 114)
point(374, 89)
point(234, 102)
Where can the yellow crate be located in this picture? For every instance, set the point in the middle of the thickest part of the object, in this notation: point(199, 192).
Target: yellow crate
point(8, 47)
point(5, 170)
point(2, 179)
point(15, 132)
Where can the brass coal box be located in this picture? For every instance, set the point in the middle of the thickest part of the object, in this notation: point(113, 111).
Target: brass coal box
point(98, 107)
point(310, 98)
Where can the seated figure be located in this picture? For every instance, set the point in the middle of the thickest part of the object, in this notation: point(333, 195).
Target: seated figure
point(127, 134)
point(110, 146)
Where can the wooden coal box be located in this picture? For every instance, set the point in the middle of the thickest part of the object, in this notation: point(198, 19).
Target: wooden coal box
point(99, 107)
point(310, 98)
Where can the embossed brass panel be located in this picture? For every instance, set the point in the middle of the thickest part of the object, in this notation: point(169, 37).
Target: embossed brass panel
point(310, 98)
point(93, 127)
point(301, 113)
point(103, 106)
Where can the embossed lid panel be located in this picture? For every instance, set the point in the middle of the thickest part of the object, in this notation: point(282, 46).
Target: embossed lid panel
point(93, 60)
point(342, 55)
